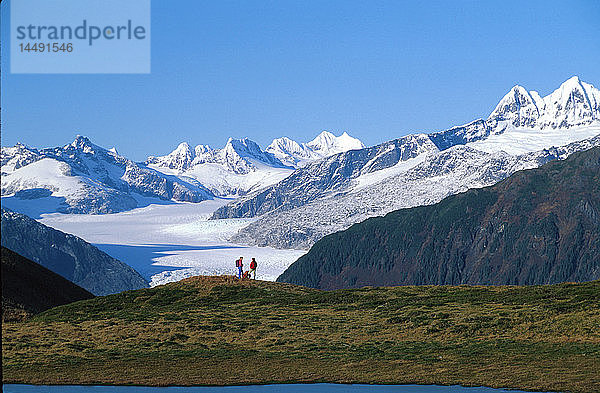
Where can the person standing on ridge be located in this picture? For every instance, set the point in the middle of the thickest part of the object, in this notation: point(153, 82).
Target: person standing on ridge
point(253, 268)
point(240, 265)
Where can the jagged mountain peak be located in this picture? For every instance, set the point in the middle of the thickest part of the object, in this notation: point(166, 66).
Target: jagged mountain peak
point(518, 89)
point(81, 141)
point(18, 156)
point(85, 145)
point(180, 158)
point(200, 149)
point(247, 149)
point(285, 143)
point(243, 145)
point(327, 141)
point(183, 146)
point(323, 145)
point(569, 87)
point(324, 139)
point(346, 140)
point(573, 103)
point(19, 146)
point(571, 82)
point(517, 108)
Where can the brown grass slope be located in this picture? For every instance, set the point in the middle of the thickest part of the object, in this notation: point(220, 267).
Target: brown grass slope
point(29, 288)
point(220, 331)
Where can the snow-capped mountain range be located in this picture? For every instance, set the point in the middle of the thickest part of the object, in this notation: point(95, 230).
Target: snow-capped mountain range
point(237, 168)
point(82, 177)
point(423, 180)
point(239, 156)
point(241, 166)
point(522, 132)
point(324, 145)
point(288, 176)
point(573, 110)
point(573, 103)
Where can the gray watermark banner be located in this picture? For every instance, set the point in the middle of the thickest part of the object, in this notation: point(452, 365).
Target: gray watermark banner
point(80, 36)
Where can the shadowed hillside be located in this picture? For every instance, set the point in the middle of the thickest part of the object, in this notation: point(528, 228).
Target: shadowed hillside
point(68, 255)
point(539, 226)
point(29, 288)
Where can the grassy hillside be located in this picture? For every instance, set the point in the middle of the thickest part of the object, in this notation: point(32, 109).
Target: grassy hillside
point(217, 330)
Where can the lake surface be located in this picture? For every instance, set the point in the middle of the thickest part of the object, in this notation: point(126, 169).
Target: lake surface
point(292, 388)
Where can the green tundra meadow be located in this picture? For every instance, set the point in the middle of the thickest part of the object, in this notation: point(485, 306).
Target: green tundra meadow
point(222, 331)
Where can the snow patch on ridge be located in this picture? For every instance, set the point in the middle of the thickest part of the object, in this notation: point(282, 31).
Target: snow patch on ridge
point(524, 140)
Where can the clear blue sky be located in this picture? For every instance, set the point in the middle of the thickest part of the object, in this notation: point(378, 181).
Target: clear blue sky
point(265, 69)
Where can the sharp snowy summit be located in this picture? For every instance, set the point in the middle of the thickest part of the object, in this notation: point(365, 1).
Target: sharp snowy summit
point(324, 145)
point(573, 104)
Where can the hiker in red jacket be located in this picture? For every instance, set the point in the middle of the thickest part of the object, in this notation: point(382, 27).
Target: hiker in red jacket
point(253, 268)
point(240, 265)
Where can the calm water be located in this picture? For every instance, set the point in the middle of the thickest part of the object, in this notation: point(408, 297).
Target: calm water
point(296, 388)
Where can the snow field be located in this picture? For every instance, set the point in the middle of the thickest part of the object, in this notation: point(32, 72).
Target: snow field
point(168, 243)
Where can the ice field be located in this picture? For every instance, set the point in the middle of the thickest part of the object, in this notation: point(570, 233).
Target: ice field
point(170, 242)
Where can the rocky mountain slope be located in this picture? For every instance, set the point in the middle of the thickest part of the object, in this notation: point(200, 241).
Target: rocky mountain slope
point(67, 255)
point(82, 177)
point(334, 193)
point(29, 288)
point(539, 226)
point(422, 181)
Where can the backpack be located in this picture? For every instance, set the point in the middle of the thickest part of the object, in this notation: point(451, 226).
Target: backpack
point(238, 263)
point(253, 265)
